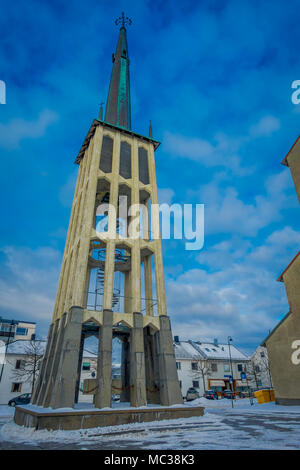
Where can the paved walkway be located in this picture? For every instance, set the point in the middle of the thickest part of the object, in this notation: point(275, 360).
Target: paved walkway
point(218, 429)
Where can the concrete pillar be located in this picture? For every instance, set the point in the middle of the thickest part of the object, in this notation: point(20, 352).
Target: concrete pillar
point(136, 277)
point(148, 286)
point(103, 392)
point(137, 363)
point(127, 292)
point(125, 371)
point(47, 375)
point(39, 381)
point(109, 275)
point(63, 392)
point(151, 368)
point(170, 393)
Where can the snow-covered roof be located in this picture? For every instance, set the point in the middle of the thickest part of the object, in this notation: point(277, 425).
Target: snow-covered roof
point(20, 345)
point(193, 349)
point(185, 350)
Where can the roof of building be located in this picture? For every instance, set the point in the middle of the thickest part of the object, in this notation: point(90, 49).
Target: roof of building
point(263, 343)
point(19, 347)
point(284, 161)
point(97, 122)
point(5, 320)
point(207, 350)
point(280, 279)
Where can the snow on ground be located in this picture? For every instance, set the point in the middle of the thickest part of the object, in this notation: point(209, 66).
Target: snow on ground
point(266, 426)
point(6, 411)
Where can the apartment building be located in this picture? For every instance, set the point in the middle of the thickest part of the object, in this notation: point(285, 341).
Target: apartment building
point(209, 366)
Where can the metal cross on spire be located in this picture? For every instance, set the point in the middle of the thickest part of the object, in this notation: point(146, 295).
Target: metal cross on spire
point(124, 20)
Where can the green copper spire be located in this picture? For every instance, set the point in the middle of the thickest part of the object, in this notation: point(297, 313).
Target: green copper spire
point(118, 110)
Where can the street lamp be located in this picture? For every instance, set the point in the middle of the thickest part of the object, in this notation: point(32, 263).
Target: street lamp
point(232, 387)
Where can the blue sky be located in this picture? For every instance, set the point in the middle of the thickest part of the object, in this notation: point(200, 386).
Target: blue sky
point(215, 79)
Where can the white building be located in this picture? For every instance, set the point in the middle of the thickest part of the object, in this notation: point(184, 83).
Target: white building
point(14, 356)
point(12, 330)
point(259, 370)
point(207, 366)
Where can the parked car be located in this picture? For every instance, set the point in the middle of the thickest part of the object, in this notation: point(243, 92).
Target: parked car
point(211, 395)
point(192, 394)
point(228, 394)
point(20, 400)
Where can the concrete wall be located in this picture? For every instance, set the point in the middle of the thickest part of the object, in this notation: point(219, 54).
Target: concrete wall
point(285, 373)
point(293, 160)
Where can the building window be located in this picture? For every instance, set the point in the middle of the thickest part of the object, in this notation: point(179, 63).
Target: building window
point(196, 383)
point(86, 366)
point(106, 154)
point(125, 160)
point(240, 367)
point(194, 366)
point(214, 367)
point(16, 387)
point(20, 364)
point(259, 383)
point(180, 383)
point(22, 331)
point(257, 369)
point(178, 365)
point(262, 354)
point(143, 166)
point(226, 368)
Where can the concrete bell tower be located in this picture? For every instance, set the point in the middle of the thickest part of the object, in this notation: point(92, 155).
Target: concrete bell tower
point(106, 286)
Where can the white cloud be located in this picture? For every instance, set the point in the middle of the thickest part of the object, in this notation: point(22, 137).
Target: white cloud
point(265, 127)
point(235, 292)
point(226, 212)
point(165, 195)
point(12, 133)
point(28, 288)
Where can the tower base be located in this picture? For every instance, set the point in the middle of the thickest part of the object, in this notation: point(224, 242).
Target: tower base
point(41, 418)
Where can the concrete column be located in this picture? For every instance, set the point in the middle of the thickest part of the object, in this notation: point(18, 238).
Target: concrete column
point(151, 367)
point(170, 393)
point(125, 371)
point(137, 363)
point(127, 292)
point(46, 393)
point(148, 286)
point(109, 275)
point(136, 276)
point(86, 222)
point(103, 392)
point(135, 250)
point(39, 381)
point(63, 392)
point(159, 272)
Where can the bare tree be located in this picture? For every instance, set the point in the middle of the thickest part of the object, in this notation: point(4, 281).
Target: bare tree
point(253, 372)
point(28, 367)
point(200, 369)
